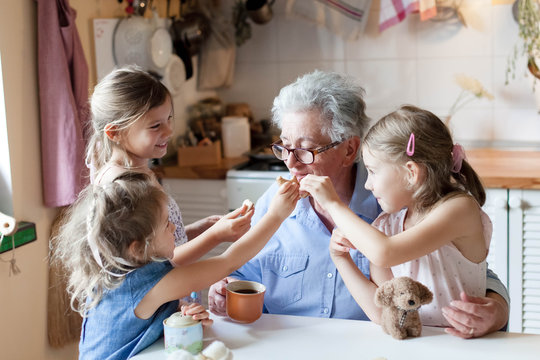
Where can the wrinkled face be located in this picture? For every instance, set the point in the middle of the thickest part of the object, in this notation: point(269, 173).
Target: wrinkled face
point(387, 182)
point(148, 137)
point(303, 130)
point(163, 242)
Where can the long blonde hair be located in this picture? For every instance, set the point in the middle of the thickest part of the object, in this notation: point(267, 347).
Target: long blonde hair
point(121, 98)
point(433, 148)
point(95, 235)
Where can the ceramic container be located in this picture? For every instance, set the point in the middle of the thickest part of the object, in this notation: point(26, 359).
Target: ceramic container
point(182, 332)
point(245, 301)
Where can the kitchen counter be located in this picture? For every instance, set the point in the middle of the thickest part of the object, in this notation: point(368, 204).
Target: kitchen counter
point(508, 169)
point(215, 172)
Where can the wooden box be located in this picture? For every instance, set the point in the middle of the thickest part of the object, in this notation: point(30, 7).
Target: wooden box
point(200, 155)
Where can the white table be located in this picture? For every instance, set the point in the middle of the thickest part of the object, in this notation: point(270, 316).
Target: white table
point(294, 337)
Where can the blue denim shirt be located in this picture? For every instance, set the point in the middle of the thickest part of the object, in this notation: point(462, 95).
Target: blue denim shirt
point(295, 265)
point(296, 268)
point(112, 331)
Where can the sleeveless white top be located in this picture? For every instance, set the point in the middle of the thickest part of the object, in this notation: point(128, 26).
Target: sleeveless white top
point(445, 271)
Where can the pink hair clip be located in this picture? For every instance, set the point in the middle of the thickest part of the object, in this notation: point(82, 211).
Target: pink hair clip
point(458, 155)
point(410, 145)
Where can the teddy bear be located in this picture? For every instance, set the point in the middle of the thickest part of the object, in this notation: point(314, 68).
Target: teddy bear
point(400, 299)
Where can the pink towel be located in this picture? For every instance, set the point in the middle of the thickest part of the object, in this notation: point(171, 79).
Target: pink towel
point(346, 18)
point(394, 11)
point(63, 97)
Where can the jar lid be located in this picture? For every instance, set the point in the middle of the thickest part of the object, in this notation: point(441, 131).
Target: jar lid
point(178, 320)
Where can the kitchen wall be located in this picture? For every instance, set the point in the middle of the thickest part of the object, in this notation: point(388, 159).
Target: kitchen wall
point(412, 62)
point(23, 298)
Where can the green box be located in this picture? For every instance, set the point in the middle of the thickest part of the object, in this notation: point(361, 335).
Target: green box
point(26, 232)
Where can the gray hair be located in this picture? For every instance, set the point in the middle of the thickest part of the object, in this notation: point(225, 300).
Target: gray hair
point(121, 98)
point(337, 98)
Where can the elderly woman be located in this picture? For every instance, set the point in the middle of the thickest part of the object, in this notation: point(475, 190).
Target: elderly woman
point(322, 120)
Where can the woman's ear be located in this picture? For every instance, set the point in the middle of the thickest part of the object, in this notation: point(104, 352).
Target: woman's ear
point(112, 132)
point(415, 173)
point(352, 149)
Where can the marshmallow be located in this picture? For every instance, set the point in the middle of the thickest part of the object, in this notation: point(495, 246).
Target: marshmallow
point(217, 351)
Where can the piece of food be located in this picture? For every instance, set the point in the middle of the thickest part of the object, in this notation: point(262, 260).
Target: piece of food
point(280, 180)
point(249, 204)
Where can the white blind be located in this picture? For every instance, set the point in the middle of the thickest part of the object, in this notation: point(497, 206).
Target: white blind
point(531, 269)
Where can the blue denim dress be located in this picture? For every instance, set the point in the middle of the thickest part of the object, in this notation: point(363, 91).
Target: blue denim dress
point(112, 331)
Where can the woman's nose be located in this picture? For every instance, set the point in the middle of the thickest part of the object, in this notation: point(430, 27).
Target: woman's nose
point(291, 160)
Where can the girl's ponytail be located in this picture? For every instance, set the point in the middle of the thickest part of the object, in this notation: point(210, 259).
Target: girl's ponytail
point(469, 179)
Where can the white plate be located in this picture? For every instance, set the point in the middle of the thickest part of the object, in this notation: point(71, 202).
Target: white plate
point(130, 41)
point(174, 75)
point(160, 47)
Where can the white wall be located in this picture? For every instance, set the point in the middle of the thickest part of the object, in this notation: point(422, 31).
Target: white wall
point(412, 62)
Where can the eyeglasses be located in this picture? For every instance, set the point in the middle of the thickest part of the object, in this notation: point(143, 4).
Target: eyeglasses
point(305, 156)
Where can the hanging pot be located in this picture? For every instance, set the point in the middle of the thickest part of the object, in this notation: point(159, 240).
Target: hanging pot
point(188, 33)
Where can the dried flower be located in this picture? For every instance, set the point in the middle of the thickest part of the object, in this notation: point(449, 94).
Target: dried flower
point(471, 89)
point(528, 19)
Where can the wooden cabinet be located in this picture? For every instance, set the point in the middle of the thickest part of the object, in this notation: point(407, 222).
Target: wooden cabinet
point(515, 252)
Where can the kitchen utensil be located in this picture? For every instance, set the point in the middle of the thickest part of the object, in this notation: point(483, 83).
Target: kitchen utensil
point(143, 42)
point(160, 44)
point(188, 32)
point(174, 75)
point(260, 11)
point(130, 39)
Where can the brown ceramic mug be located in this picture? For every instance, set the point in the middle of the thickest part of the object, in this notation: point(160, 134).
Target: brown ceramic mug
point(245, 300)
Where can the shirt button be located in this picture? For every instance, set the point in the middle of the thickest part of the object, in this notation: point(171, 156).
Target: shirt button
point(285, 268)
point(329, 275)
point(325, 310)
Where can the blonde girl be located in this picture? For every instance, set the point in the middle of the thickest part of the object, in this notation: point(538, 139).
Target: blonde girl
point(131, 124)
point(432, 228)
point(115, 242)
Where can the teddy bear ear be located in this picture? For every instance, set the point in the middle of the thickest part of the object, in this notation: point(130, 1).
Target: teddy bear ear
point(424, 294)
point(383, 295)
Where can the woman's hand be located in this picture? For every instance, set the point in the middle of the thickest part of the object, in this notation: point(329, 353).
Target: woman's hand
point(476, 316)
point(217, 296)
point(198, 227)
point(339, 245)
point(197, 312)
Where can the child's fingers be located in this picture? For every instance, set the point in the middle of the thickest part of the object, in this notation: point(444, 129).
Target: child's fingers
point(235, 213)
point(192, 309)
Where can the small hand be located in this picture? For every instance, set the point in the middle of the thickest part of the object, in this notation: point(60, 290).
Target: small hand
point(320, 188)
point(285, 199)
point(474, 316)
point(234, 224)
point(339, 245)
point(217, 296)
point(197, 312)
